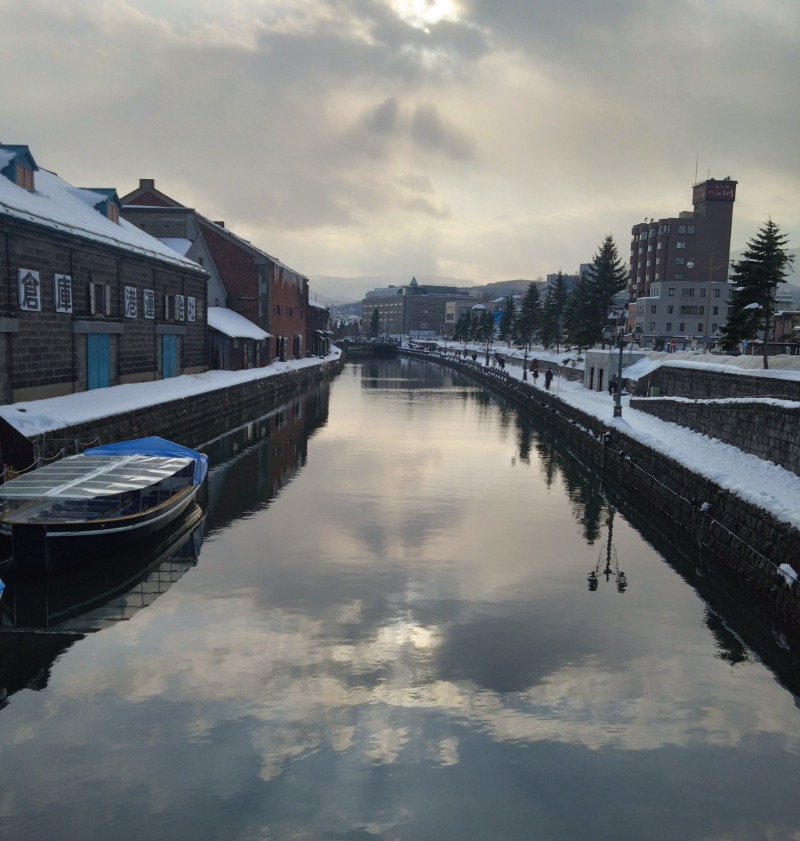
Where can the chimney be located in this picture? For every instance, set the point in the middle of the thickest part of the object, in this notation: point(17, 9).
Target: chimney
point(147, 184)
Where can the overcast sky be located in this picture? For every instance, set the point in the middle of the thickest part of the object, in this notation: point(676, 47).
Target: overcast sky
point(478, 139)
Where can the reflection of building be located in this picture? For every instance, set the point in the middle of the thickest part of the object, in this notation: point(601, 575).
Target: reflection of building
point(406, 310)
point(87, 300)
point(243, 278)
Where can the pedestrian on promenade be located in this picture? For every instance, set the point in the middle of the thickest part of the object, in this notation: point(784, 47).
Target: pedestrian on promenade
point(548, 378)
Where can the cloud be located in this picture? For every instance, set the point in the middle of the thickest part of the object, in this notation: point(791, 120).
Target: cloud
point(538, 127)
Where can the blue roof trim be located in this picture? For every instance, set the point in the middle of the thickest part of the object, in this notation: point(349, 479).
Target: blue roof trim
point(22, 155)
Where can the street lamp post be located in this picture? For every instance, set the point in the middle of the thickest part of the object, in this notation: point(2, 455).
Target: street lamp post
point(525, 364)
point(608, 335)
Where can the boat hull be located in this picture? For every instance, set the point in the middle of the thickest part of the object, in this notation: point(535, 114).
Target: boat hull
point(43, 547)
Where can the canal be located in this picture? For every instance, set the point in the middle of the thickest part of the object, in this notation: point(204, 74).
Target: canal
point(412, 616)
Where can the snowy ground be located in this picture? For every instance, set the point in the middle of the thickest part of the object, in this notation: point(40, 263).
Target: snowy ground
point(760, 482)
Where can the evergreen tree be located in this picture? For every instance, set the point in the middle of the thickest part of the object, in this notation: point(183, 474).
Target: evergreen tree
point(604, 279)
point(553, 314)
point(530, 315)
point(581, 316)
point(375, 323)
point(507, 320)
point(756, 278)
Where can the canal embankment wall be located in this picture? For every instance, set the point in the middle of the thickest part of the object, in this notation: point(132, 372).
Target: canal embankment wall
point(747, 540)
point(189, 420)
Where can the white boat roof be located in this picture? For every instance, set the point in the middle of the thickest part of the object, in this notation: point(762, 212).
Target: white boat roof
point(87, 477)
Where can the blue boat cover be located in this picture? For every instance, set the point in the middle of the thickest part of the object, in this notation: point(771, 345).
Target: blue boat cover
point(154, 446)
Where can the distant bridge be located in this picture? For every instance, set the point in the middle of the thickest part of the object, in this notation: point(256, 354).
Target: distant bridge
point(374, 347)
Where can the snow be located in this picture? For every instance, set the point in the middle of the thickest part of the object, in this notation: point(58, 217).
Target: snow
point(760, 482)
point(232, 324)
point(60, 206)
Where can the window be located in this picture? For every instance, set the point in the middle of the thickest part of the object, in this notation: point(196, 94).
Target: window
point(658, 261)
point(681, 229)
point(687, 292)
point(658, 247)
point(715, 310)
point(680, 244)
point(290, 311)
point(678, 276)
point(690, 229)
point(652, 327)
point(671, 291)
point(669, 327)
point(670, 308)
point(700, 328)
point(99, 299)
point(689, 311)
point(681, 327)
point(714, 328)
point(703, 292)
point(649, 247)
point(653, 308)
point(702, 310)
point(277, 309)
point(679, 261)
point(643, 235)
point(716, 293)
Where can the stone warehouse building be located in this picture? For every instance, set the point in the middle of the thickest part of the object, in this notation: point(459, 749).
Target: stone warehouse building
point(243, 278)
point(407, 310)
point(87, 300)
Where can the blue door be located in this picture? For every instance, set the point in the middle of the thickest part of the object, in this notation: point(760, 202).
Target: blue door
point(98, 360)
point(169, 355)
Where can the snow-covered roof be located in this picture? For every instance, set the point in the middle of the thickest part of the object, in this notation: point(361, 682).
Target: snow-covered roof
point(317, 305)
point(177, 244)
point(230, 323)
point(59, 206)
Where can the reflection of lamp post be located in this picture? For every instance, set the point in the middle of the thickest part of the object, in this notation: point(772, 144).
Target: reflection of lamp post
point(619, 577)
point(608, 335)
point(711, 269)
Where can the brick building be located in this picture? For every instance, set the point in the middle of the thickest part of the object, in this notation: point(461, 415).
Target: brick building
point(86, 299)
point(678, 272)
point(244, 278)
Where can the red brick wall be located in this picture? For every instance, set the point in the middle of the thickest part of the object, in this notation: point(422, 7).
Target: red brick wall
point(239, 274)
point(288, 301)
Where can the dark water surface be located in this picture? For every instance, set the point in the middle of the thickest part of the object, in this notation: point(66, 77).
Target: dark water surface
point(388, 634)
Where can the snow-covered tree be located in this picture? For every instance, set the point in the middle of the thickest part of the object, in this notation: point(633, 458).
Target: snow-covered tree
point(530, 315)
point(507, 320)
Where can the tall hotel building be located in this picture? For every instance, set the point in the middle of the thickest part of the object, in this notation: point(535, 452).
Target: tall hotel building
point(679, 269)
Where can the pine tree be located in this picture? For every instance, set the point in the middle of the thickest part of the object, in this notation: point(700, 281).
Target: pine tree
point(756, 278)
point(553, 314)
point(507, 320)
point(605, 278)
point(530, 315)
point(375, 323)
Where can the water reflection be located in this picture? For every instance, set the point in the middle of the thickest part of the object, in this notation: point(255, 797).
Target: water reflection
point(400, 644)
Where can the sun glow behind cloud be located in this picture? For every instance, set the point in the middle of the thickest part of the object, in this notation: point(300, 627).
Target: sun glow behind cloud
point(424, 13)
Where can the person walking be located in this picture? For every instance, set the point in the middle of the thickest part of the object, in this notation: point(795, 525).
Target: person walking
point(548, 378)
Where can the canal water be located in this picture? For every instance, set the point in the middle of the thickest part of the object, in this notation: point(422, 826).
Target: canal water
point(408, 614)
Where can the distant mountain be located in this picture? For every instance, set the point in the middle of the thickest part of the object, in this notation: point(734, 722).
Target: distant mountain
point(344, 290)
point(347, 290)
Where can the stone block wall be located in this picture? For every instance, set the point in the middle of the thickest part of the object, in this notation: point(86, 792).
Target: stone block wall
point(765, 428)
point(698, 382)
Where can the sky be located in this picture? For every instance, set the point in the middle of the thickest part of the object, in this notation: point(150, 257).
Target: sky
point(484, 140)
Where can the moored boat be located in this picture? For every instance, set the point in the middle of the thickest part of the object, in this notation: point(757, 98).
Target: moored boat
point(79, 505)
